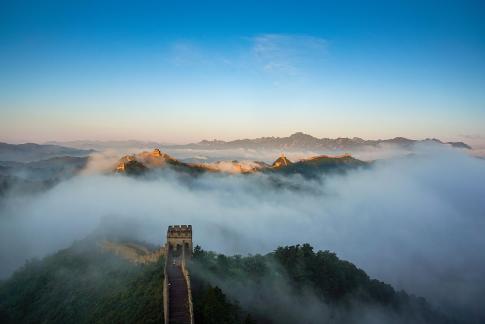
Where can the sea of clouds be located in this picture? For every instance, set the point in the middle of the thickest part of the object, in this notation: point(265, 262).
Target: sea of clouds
point(416, 222)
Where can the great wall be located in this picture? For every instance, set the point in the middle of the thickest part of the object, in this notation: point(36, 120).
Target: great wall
point(177, 292)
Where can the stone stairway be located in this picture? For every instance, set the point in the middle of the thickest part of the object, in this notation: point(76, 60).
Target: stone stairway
point(178, 302)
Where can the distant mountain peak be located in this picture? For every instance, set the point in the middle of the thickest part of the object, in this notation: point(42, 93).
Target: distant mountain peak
point(156, 152)
point(282, 161)
point(301, 135)
point(154, 156)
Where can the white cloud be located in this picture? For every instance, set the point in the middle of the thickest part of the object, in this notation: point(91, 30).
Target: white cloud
point(285, 54)
point(288, 54)
point(186, 53)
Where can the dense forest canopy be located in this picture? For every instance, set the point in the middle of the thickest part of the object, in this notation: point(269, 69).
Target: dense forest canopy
point(293, 284)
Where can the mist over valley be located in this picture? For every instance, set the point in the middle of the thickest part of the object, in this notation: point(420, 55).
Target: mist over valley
point(409, 235)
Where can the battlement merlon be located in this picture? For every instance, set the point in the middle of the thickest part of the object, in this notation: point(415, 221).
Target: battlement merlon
point(179, 238)
point(179, 231)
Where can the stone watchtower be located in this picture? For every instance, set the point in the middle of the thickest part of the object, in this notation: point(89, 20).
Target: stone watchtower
point(179, 238)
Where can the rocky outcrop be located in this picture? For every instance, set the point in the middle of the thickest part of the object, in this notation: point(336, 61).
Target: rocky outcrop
point(130, 167)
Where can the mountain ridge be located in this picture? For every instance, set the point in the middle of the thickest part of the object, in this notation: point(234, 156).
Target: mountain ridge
point(300, 140)
point(30, 152)
point(138, 164)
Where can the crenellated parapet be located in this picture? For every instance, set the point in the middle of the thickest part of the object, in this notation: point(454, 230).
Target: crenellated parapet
point(179, 231)
point(178, 237)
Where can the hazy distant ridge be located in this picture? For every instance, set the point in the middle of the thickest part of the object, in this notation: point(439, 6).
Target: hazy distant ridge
point(296, 141)
point(304, 141)
point(29, 152)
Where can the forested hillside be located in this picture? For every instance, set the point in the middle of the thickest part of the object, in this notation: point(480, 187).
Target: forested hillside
point(294, 284)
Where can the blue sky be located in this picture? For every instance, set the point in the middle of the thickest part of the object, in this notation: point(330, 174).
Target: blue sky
point(180, 71)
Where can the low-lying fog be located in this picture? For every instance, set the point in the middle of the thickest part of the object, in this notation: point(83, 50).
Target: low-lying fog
point(416, 222)
point(366, 153)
